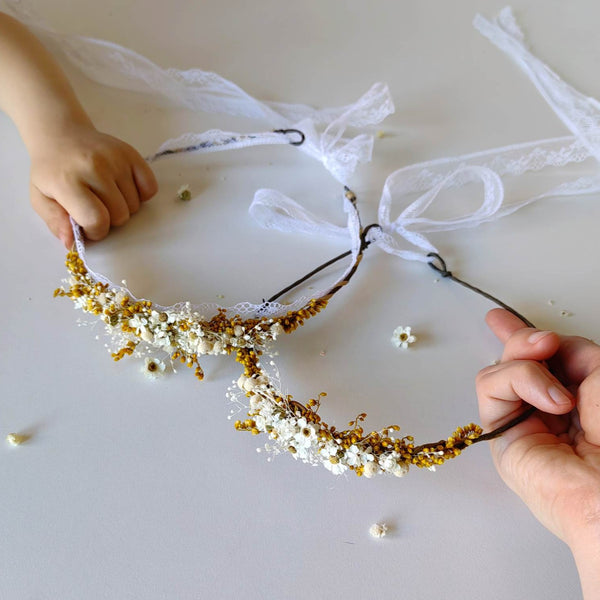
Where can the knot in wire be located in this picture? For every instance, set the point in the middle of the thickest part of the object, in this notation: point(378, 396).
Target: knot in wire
point(287, 132)
point(363, 236)
point(441, 268)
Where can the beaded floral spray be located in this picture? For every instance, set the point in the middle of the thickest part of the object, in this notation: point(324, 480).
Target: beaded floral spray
point(136, 325)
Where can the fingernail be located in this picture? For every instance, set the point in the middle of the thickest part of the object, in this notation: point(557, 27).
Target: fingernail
point(534, 338)
point(559, 397)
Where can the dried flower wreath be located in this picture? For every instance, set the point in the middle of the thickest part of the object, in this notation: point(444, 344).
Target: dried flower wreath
point(183, 331)
point(292, 426)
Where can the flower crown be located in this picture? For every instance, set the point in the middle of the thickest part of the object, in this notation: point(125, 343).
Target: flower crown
point(291, 426)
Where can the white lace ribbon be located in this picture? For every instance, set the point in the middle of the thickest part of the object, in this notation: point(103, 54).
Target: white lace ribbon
point(116, 66)
point(581, 114)
point(352, 230)
point(324, 132)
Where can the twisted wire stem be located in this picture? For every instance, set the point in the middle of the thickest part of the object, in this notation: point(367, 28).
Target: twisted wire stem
point(438, 264)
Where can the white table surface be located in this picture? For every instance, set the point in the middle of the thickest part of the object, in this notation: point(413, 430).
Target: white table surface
point(133, 489)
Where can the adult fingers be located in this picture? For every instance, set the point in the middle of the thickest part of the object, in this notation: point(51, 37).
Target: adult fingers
point(578, 358)
point(503, 323)
point(521, 342)
point(502, 389)
point(588, 405)
point(54, 215)
point(531, 344)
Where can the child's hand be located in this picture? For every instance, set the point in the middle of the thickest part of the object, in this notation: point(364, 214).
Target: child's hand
point(93, 177)
point(551, 460)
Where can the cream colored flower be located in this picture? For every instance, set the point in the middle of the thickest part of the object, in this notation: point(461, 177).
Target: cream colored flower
point(378, 530)
point(153, 368)
point(402, 337)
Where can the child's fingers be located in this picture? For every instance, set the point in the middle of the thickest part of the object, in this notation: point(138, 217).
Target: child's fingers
point(129, 192)
point(501, 390)
point(88, 211)
point(144, 178)
point(110, 195)
point(54, 215)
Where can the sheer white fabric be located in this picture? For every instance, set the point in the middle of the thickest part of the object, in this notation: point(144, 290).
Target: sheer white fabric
point(244, 309)
point(581, 114)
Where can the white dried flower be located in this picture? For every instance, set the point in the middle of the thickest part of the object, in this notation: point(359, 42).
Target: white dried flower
point(249, 384)
point(153, 368)
point(402, 337)
point(378, 530)
point(15, 439)
point(276, 329)
point(184, 193)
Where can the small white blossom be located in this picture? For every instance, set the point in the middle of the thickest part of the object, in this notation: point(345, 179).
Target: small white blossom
point(402, 337)
point(328, 449)
point(305, 435)
point(352, 456)
point(285, 429)
point(249, 384)
point(184, 193)
point(378, 530)
point(138, 323)
point(153, 368)
point(276, 330)
point(16, 439)
point(147, 336)
point(337, 468)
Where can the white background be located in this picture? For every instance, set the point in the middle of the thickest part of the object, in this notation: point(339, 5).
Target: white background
point(134, 489)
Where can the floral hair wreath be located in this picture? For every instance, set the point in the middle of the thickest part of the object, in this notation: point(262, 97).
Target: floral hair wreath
point(186, 335)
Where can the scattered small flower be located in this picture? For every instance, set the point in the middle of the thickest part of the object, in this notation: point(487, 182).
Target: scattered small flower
point(16, 439)
point(153, 368)
point(402, 337)
point(184, 193)
point(565, 313)
point(380, 134)
point(378, 530)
